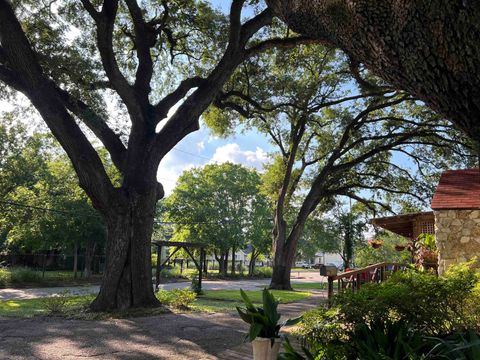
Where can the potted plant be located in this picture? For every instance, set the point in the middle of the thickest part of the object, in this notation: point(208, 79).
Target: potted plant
point(400, 247)
point(426, 254)
point(264, 325)
point(375, 243)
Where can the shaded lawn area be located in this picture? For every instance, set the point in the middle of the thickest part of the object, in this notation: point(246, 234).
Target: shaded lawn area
point(228, 300)
point(310, 286)
point(211, 301)
point(307, 286)
point(39, 306)
point(20, 277)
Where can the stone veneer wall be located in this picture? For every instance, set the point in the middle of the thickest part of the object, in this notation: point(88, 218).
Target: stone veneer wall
point(458, 236)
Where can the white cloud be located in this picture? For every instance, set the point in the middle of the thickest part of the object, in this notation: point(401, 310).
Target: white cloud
point(169, 171)
point(234, 154)
point(201, 146)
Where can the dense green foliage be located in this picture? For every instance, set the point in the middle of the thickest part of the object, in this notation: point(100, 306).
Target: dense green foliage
point(406, 314)
point(366, 255)
point(177, 298)
point(43, 209)
point(220, 205)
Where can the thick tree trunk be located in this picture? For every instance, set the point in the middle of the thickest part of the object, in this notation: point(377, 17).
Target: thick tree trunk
point(89, 253)
point(283, 257)
point(251, 264)
point(75, 260)
point(222, 267)
point(233, 261)
point(225, 264)
point(284, 249)
point(127, 281)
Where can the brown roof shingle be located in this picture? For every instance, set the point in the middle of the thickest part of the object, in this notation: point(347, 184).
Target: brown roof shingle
point(458, 189)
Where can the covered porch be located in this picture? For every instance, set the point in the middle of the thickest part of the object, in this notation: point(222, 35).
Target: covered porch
point(408, 225)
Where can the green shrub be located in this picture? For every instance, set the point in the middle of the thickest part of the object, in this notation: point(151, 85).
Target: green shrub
point(170, 273)
point(408, 307)
point(196, 285)
point(24, 275)
point(430, 304)
point(264, 271)
point(57, 303)
point(323, 333)
point(5, 277)
point(177, 298)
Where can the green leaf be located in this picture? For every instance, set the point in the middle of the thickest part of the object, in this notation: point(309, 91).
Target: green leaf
point(244, 316)
point(270, 307)
point(293, 321)
point(254, 331)
point(247, 300)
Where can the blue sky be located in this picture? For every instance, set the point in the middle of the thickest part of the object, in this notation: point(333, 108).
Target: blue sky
point(201, 147)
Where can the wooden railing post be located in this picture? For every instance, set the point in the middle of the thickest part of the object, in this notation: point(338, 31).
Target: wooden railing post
point(159, 266)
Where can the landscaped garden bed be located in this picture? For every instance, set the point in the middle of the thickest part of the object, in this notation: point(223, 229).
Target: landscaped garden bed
point(413, 315)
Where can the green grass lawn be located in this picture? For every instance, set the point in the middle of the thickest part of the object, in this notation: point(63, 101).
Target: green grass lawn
point(228, 300)
point(255, 295)
point(211, 301)
point(31, 307)
point(310, 286)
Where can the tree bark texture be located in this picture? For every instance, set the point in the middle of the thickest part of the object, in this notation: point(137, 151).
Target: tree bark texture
point(127, 281)
point(431, 49)
point(233, 262)
point(251, 264)
point(89, 255)
point(284, 247)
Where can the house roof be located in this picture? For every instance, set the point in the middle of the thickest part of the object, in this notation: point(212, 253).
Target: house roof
point(458, 189)
point(404, 224)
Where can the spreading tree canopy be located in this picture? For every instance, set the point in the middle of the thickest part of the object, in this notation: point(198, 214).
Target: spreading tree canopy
point(332, 138)
point(136, 76)
point(220, 205)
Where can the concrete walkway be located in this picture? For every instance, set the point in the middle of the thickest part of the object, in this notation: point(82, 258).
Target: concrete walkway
point(17, 294)
point(170, 336)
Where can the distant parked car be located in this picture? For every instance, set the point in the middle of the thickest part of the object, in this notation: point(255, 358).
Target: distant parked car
point(316, 266)
point(302, 264)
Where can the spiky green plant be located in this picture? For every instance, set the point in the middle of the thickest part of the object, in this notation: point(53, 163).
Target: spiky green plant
point(264, 321)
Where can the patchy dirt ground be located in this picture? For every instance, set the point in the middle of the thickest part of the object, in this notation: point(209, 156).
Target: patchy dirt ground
point(170, 336)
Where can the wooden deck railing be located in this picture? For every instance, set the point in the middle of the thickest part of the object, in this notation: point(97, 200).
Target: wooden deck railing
point(356, 278)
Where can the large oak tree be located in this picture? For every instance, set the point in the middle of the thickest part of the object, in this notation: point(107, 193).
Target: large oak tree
point(332, 139)
point(429, 48)
point(147, 56)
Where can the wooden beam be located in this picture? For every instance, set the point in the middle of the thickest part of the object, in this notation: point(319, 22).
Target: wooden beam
point(178, 243)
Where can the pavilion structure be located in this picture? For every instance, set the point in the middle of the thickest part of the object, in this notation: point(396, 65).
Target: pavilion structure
point(175, 246)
